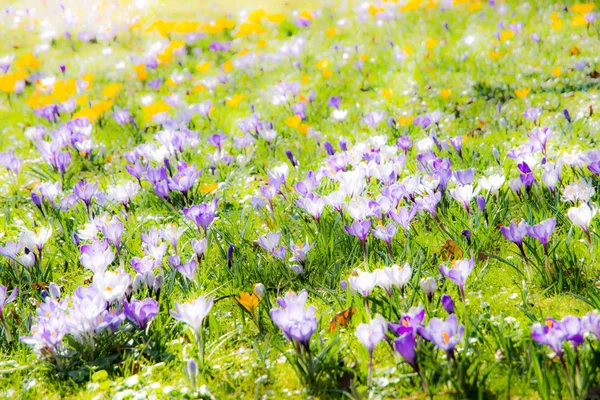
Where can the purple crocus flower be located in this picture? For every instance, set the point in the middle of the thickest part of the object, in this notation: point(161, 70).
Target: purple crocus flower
point(457, 143)
point(136, 170)
point(460, 271)
point(594, 167)
point(443, 334)
point(122, 117)
point(217, 140)
point(409, 322)
point(542, 231)
point(202, 214)
point(405, 346)
point(113, 231)
point(374, 118)
point(184, 179)
point(188, 269)
point(386, 233)
point(403, 217)
point(566, 114)
point(574, 328)
point(85, 192)
point(141, 311)
point(429, 203)
point(532, 114)
point(552, 333)
point(96, 256)
point(465, 176)
point(10, 162)
point(447, 303)
point(334, 102)
point(361, 230)
point(299, 252)
point(591, 323)
point(516, 233)
point(404, 143)
point(296, 322)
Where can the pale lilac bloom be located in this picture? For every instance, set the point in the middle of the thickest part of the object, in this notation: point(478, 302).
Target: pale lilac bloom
point(193, 313)
point(460, 271)
point(443, 334)
point(299, 252)
point(371, 334)
point(96, 256)
point(296, 322)
point(363, 282)
point(582, 216)
point(112, 285)
point(188, 269)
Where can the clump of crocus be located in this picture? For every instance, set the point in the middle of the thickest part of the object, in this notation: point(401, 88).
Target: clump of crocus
point(297, 323)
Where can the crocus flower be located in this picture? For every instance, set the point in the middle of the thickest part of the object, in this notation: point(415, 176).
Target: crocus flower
point(409, 322)
point(429, 285)
point(85, 192)
point(386, 233)
point(296, 322)
point(199, 247)
point(516, 233)
point(371, 335)
point(552, 333)
point(96, 256)
point(270, 242)
point(542, 231)
point(299, 251)
point(532, 114)
point(36, 240)
point(183, 181)
point(112, 285)
point(141, 311)
point(574, 328)
point(405, 346)
point(582, 216)
point(363, 282)
point(460, 271)
point(403, 217)
point(171, 233)
point(429, 203)
point(188, 269)
point(443, 334)
point(394, 276)
point(5, 300)
point(447, 303)
point(591, 323)
point(193, 312)
point(464, 194)
point(202, 214)
point(361, 230)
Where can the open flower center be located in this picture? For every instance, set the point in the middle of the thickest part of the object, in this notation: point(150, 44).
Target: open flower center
point(446, 337)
